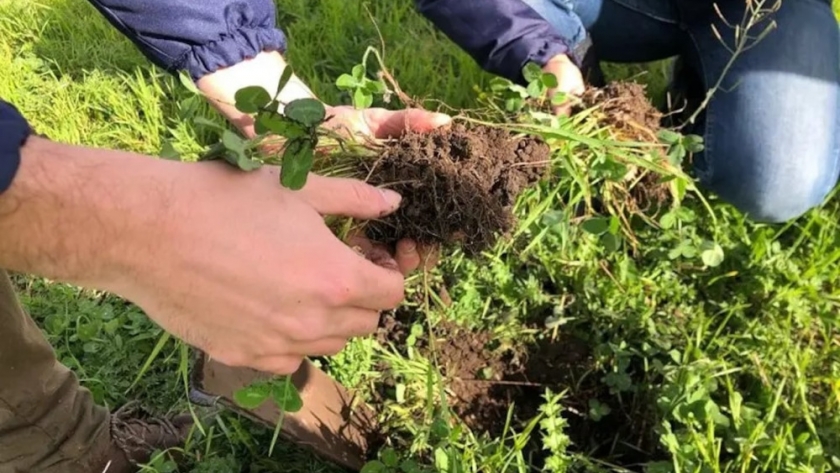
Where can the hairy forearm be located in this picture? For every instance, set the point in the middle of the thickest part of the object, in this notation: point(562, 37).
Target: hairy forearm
point(71, 213)
point(265, 71)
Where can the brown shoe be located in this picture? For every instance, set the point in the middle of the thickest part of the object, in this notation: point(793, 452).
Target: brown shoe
point(136, 435)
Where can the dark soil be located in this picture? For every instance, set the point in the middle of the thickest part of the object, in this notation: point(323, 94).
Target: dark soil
point(486, 379)
point(626, 109)
point(458, 184)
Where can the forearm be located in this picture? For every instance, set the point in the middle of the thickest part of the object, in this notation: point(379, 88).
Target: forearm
point(71, 215)
point(500, 35)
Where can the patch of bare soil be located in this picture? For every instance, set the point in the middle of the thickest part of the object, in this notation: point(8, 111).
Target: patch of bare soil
point(486, 379)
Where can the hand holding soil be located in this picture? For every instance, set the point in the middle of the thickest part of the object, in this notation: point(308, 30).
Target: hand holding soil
point(248, 271)
point(379, 123)
point(569, 80)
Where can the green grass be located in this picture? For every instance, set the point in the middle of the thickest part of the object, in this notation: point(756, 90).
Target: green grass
point(704, 369)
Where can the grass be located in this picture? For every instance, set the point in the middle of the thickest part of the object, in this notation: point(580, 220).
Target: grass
point(691, 368)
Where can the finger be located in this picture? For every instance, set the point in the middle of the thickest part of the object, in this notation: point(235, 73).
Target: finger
point(376, 253)
point(335, 324)
point(429, 255)
point(348, 197)
point(324, 347)
point(407, 256)
point(279, 365)
point(379, 255)
point(389, 124)
point(375, 287)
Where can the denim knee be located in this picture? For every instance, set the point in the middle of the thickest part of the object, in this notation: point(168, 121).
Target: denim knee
point(774, 177)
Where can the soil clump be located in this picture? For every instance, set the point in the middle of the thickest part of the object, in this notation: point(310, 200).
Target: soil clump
point(458, 184)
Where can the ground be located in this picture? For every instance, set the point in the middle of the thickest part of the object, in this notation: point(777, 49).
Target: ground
point(622, 331)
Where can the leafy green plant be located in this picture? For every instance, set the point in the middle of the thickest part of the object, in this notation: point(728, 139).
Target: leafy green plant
point(281, 391)
point(361, 88)
point(680, 146)
point(516, 97)
point(299, 123)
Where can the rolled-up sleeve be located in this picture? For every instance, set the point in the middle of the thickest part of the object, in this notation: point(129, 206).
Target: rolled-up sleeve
point(199, 36)
point(14, 130)
point(502, 36)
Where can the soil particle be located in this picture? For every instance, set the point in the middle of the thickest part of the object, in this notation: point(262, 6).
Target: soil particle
point(458, 184)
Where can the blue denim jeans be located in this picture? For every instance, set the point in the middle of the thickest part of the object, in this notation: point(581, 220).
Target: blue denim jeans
point(772, 131)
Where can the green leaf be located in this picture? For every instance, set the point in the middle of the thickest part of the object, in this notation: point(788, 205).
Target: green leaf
point(668, 136)
point(712, 254)
point(232, 141)
point(549, 80)
point(390, 458)
point(284, 79)
point(287, 396)
point(441, 459)
point(610, 242)
point(693, 143)
point(245, 163)
point(536, 89)
point(596, 226)
point(187, 82)
point(279, 125)
point(346, 82)
point(308, 112)
point(513, 104)
point(668, 220)
point(676, 155)
point(532, 72)
point(375, 87)
point(359, 72)
point(362, 99)
point(253, 396)
point(297, 161)
point(559, 98)
point(169, 152)
point(499, 84)
point(201, 121)
point(374, 466)
point(251, 99)
point(410, 466)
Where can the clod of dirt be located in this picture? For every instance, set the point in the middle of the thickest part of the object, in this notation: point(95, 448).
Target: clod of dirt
point(626, 109)
point(458, 184)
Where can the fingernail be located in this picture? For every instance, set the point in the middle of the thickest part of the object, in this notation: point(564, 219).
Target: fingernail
point(441, 119)
point(391, 197)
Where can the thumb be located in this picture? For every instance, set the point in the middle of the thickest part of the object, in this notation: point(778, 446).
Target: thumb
point(393, 123)
point(348, 197)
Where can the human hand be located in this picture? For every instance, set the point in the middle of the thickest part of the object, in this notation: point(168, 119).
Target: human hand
point(379, 123)
point(248, 272)
point(569, 80)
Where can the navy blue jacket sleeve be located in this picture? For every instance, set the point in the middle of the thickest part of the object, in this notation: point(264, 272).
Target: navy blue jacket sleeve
point(199, 36)
point(14, 130)
point(500, 35)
